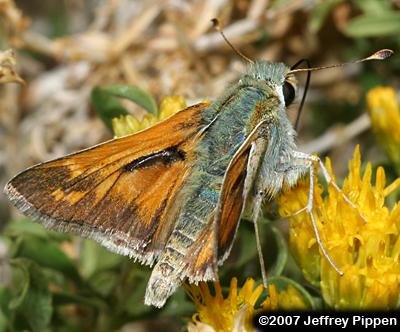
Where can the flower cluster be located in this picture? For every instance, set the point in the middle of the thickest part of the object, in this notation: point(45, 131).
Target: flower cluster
point(366, 249)
point(235, 311)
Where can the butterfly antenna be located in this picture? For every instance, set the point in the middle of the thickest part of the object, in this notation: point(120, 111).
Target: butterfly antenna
point(379, 55)
point(217, 26)
point(303, 99)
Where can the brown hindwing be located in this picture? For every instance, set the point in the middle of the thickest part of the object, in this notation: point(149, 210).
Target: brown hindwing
point(232, 202)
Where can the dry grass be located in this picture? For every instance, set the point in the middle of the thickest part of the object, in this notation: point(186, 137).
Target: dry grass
point(165, 47)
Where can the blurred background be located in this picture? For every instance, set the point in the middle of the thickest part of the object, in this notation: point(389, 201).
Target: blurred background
point(66, 48)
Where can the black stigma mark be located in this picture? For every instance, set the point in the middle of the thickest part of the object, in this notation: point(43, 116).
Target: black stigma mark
point(167, 157)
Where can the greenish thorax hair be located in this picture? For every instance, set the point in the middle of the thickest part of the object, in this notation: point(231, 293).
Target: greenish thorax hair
point(258, 96)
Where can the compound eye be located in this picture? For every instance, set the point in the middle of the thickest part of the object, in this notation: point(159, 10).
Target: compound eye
point(288, 93)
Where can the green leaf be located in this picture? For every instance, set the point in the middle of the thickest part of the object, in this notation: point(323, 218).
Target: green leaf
point(178, 305)
point(278, 4)
point(63, 298)
point(133, 304)
point(385, 24)
point(282, 252)
point(135, 94)
point(319, 14)
point(48, 254)
point(37, 308)
point(34, 303)
point(103, 282)
point(248, 249)
point(95, 258)
point(374, 7)
point(107, 106)
point(23, 282)
point(5, 315)
point(3, 321)
point(27, 226)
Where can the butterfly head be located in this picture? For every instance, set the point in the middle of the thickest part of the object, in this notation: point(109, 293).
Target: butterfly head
point(277, 76)
point(280, 77)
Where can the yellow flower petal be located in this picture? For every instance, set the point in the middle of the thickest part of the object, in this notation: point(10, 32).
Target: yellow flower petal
point(147, 121)
point(170, 105)
point(125, 125)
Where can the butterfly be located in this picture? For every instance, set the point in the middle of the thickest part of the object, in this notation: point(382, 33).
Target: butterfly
point(172, 196)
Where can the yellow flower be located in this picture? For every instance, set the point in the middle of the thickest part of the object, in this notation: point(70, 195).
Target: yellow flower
point(384, 111)
point(170, 105)
point(235, 311)
point(367, 252)
point(287, 300)
point(128, 124)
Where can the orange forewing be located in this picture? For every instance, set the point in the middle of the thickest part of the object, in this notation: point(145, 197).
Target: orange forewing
point(124, 187)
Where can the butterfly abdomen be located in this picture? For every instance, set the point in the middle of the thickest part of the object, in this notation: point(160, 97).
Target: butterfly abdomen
point(192, 228)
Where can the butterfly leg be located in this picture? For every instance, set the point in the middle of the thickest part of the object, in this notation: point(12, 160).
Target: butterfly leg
point(305, 161)
point(309, 209)
point(328, 179)
point(255, 217)
point(257, 152)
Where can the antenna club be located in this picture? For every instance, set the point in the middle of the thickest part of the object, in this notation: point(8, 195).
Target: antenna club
point(382, 54)
point(216, 24)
